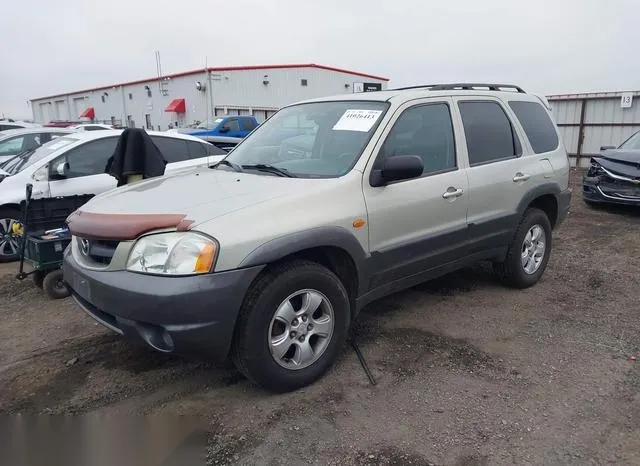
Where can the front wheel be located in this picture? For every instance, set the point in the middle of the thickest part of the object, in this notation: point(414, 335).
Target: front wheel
point(292, 326)
point(528, 251)
point(9, 239)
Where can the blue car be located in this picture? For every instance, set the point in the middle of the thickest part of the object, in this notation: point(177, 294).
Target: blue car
point(230, 126)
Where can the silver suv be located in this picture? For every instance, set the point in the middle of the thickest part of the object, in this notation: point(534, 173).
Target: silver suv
point(332, 203)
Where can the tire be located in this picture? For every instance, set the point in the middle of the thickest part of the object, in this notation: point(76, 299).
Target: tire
point(257, 326)
point(512, 270)
point(7, 241)
point(38, 278)
point(54, 286)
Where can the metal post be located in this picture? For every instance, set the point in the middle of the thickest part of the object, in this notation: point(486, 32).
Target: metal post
point(583, 108)
point(213, 111)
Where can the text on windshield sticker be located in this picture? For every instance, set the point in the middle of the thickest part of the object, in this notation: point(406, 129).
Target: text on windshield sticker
point(357, 120)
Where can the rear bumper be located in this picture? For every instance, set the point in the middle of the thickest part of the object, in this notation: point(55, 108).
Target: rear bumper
point(194, 314)
point(564, 204)
point(592, 192)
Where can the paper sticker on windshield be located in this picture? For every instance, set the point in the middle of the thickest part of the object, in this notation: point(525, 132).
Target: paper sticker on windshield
point(357, 120)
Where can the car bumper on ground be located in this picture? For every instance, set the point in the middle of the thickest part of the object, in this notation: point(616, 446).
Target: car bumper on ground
point(594, 189)
point(564, 203)
point(194, 314)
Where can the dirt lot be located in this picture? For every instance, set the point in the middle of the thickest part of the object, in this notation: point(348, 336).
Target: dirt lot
point(468, 372)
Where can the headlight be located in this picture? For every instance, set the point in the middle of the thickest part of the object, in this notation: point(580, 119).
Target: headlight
point(173, 254)
point(595, 169)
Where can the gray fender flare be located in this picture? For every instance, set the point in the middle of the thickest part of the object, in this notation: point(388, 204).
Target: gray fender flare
point(332, 236)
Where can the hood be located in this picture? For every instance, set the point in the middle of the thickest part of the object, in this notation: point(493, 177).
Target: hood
point(198, 195)
point(621, 161)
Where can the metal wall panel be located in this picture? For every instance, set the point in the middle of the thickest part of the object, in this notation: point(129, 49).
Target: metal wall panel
point(605, 123)
point(566, 111)
point(236, 90)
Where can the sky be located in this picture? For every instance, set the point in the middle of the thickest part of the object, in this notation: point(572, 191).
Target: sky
point(548, 47)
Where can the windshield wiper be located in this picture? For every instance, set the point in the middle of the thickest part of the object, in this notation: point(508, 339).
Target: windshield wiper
point(270, 169)
point(228, 163)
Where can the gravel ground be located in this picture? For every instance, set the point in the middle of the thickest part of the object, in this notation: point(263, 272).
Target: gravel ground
point(468, 372)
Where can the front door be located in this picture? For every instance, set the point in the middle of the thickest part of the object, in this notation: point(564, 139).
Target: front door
point(419, 224)
point(85, 172)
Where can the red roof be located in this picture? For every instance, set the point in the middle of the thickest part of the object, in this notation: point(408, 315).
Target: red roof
point(224, 68)
point(176, 105)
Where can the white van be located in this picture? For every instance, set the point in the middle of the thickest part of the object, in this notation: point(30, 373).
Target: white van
point(86, 153)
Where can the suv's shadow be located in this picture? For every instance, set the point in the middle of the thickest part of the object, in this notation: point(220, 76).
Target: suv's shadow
point(618, 209)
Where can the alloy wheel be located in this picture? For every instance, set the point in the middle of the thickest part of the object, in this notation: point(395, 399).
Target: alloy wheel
point(9, 241)
point(533, 249)
point(301, 329)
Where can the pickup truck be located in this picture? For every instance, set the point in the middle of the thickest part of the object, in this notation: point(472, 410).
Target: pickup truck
point(229, 125)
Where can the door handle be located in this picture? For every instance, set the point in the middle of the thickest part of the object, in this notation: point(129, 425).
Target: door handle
point(521, 177)
point(452, 192)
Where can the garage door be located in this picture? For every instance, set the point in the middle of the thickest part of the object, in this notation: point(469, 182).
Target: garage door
point(61, 110)
point(78, 107)
point(244, 112)
point(45, 111)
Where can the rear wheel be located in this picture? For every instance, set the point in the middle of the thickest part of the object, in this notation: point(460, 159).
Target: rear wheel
point(53, 285)
point(528, 252)
point(9, 239)
point(292, 326)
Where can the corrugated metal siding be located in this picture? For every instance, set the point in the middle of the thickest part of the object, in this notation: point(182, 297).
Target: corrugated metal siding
point(236, 91)
point(603, 109)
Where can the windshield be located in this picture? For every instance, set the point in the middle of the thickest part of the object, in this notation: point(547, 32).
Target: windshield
point(209, 125)
point(632, 143)
point(314, 140)
point(23, 160)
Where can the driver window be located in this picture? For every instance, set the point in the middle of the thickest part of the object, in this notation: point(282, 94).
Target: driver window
point(233, 124)
point(88, 159)
point(425, 131)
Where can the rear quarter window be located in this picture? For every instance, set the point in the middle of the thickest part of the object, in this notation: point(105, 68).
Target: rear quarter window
point(537, 125)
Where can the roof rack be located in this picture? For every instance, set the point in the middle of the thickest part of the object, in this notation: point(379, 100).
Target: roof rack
point(464, 86)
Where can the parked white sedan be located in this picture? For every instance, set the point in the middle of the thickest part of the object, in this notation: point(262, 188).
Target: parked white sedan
point(15, 141)
point(74, 164)
point(90, 127)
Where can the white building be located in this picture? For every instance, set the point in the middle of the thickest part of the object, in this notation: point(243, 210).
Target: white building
point(199, 95)
point(592, 120)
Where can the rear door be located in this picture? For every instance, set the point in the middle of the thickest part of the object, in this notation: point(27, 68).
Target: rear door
point(85, 173)
point(247, 124)
point(500, 170)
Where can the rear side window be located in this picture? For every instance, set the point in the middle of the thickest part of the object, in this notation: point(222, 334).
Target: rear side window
point(173, 150)
point(489, 133)
point(537, 125)
point(196, 150)
point(212, 149)
point(248, 124)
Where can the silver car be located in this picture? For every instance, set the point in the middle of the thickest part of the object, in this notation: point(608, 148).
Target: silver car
point(330, 204)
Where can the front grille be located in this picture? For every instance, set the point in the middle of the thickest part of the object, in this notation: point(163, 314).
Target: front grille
point(620, 188)
point(98, 251)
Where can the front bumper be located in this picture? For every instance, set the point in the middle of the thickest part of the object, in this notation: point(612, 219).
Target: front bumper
point(195, 314)
point(593, 192)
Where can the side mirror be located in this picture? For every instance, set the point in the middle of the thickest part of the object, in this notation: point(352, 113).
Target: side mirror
point(224, 129)
point(59, 171)
point(400, 167)
point(607, 147)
